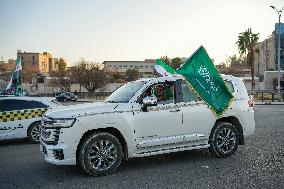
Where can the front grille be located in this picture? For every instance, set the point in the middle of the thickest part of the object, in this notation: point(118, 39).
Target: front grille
point(49, 135)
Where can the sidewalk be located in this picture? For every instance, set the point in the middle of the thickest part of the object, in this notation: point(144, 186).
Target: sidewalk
point(269, 103)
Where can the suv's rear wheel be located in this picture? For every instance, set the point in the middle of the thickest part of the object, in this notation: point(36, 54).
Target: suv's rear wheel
point(224, 139)
point(100, 154)
point(34, 132)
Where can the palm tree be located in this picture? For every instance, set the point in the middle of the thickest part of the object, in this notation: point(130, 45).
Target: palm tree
point(246, 43)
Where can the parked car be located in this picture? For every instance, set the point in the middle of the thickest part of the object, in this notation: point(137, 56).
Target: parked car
point(134, 122)
point(20, 116)
point(66, 96)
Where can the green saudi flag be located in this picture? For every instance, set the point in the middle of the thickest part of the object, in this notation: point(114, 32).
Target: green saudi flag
point(163, 69)
point(202, 75)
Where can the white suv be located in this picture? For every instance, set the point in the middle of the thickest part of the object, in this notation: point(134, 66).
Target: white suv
point(142, 118)
point(20, 116)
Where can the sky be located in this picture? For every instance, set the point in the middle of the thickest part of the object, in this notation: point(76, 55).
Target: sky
point(100, 30)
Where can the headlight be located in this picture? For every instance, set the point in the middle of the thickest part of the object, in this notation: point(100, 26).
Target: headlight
point(64, 122)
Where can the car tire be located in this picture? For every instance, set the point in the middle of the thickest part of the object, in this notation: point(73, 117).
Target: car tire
point(100, 154)
point(224, 139)
point(34, 132)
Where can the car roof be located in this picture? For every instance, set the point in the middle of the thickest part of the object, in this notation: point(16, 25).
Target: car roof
point(160, 79)
point(28, 98)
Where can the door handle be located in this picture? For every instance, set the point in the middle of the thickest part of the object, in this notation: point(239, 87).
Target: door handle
point(177, 110)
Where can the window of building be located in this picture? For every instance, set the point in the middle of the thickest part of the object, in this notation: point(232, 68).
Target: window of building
point(120, 66)
point(33, 58)
point(131, 66)
point(141, 66)
point(146, 66)
point(114, 66)
point(136, 67)
point(125, 66)
point(109, 66)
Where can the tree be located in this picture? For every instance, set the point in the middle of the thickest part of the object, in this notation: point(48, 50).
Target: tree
point(90, 75)
point(234, 65)
point(165, 59)
point(61, 64)
point(61, 80)
point(176, 62)
point(131, 75)
point(246, 43)
point(77, 72)
point(116, 76)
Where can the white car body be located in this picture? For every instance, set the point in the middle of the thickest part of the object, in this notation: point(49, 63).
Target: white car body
point(163, 129)
point(15, 122)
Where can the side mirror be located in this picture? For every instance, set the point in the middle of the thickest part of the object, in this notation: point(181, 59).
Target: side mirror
point(150, 101)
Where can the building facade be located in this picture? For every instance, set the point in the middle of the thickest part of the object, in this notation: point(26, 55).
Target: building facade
point(145, 68)
point(36, 63)
point(264, 57)
point(279, 31)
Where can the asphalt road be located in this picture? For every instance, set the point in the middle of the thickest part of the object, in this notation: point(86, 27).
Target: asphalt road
point(258, 164)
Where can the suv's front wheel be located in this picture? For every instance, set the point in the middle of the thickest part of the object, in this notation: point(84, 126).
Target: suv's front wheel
point(224, 139)
point(100, 154)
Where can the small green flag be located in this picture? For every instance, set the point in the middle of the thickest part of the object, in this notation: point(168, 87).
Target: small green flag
point(202, 75)
point(163, 69)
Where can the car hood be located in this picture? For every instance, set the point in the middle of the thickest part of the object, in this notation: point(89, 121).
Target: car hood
point(73, 111)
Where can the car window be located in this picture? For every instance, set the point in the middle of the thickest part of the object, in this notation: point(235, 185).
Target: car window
point(163, 91)
point(124, 93)
point(13, 104)
point(229, 86)
point(188, 94)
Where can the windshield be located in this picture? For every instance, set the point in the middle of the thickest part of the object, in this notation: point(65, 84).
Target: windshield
point(124, 93)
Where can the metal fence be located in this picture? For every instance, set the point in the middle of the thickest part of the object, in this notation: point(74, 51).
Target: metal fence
point(267, 95)
point(81, 95)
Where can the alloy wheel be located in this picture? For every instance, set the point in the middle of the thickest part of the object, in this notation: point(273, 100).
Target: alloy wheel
point(35, 133)
point(102, 155)
point(226, 140)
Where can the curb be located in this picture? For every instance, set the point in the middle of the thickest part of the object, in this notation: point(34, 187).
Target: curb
point(89, 100)
point(269, 103)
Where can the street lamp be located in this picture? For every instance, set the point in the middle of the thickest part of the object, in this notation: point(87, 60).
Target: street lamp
point(279, 14)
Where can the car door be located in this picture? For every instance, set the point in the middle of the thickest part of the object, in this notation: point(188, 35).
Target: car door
point(198, 119)
point(161, 124)
point(8, 124)
point(17, 115)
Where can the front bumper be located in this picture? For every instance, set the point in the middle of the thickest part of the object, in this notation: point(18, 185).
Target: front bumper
point(59, 145)
point(58, 154)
